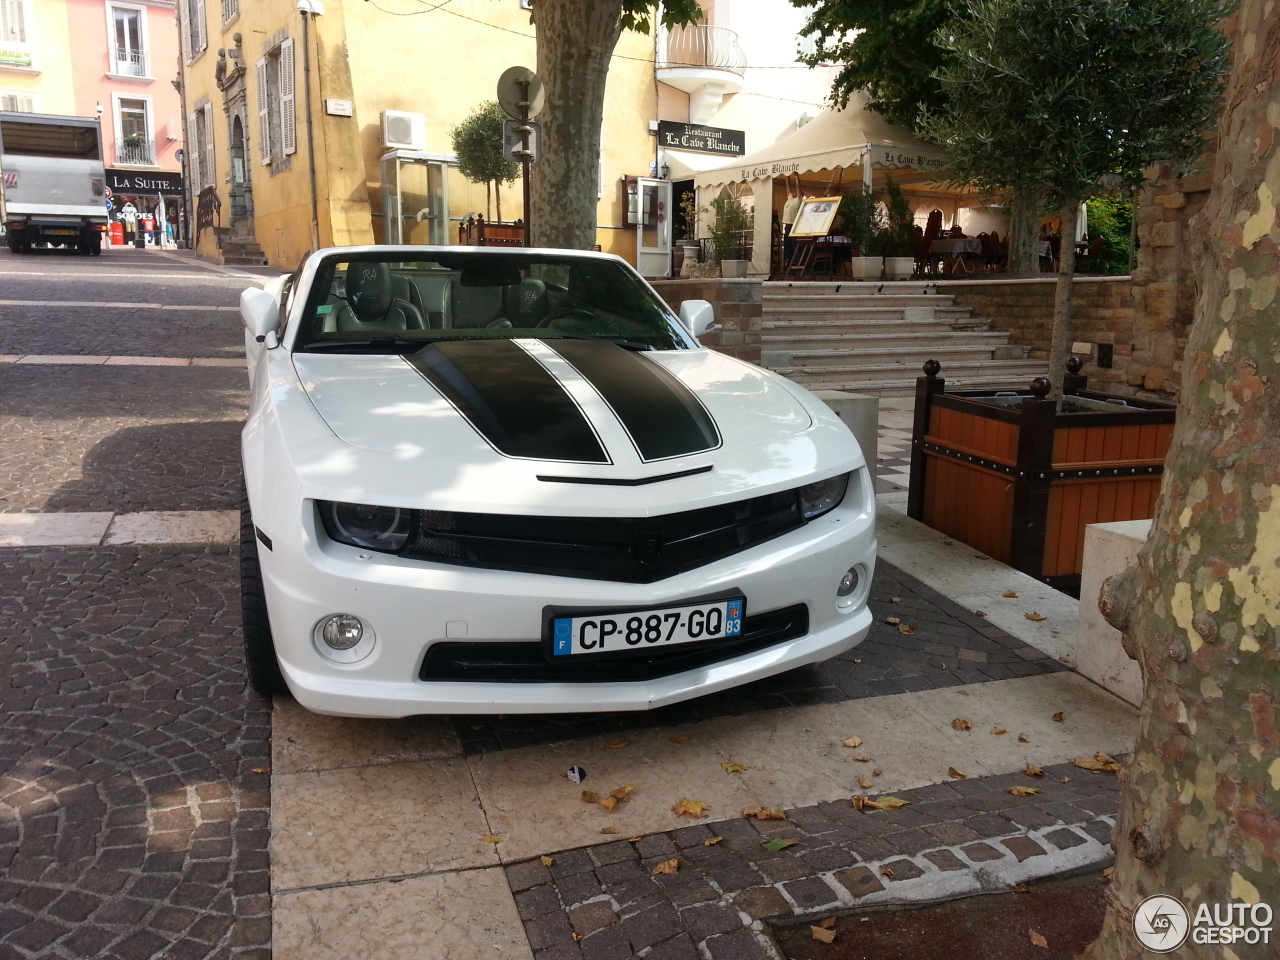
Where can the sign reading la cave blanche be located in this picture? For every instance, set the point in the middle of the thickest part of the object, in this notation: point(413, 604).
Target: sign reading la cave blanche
point(700, 139)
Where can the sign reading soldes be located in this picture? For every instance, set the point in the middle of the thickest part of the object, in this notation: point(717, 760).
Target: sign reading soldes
point(151, 182)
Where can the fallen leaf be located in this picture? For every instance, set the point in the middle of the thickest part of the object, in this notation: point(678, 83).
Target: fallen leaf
point(712, 841)
point(669, 867)
point(609, 803)
point(955, 774)
point(1037, 617)
point(1023, 738)
point(892, 620)
point(1038, 940)
point(895, 599)
point(827, 923)
point(689, 808)
point(864, 919)
point(886, 871)
point(947, 543)
point(779, 843)
point(1022, 888)
point(1032, 770)
point(616, 744)
point(906, 629)
point(679, 738)
point(761, 813)
point(576, 936)
point(1025, 791)
point(590, 796)
point(856, 660)
point(861, 758)
point(960, 723)
point(998, 731)
point(491, 838)
point(1109, 872)
point(852, 742)
point(1098, 763)
point(1009, 593)
point(622, 793)
point(1059, 717)
point(261, 769)
point(608, 829)
point(634, 839)
point(547, 861)
point(979, 613)
point(732, 766)
point(860, 801)
point(1064, 779)
point(822, 935)
point(865, 783)
point(888, 803)
point(877, 771)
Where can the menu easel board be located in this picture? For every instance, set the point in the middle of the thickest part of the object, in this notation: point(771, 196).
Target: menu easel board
point(815, 217)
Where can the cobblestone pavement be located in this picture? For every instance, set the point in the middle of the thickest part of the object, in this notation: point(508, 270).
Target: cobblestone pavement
point(612, 901)
point(949, 646)
point(133, 822)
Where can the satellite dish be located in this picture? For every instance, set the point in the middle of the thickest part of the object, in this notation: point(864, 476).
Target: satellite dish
point(509, 92)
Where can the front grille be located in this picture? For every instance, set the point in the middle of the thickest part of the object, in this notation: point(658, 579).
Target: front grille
point(629, 550)
point(525, 662)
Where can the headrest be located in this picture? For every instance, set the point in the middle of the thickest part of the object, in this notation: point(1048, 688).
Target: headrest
point(369, 289)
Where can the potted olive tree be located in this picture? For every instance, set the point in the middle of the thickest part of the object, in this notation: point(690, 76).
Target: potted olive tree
point(860, 219)
point(729, 228)
point(899, 260)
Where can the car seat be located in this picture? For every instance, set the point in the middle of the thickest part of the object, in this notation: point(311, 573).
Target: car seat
point(371, 302)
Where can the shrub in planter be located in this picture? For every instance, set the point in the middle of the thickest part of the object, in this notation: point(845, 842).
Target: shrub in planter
point(899, 261)
point(859, 218)
point(728, 230)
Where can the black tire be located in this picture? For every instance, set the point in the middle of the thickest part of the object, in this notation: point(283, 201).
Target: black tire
point(261, 665)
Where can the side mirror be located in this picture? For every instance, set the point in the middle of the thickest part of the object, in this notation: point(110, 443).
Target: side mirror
point(261, 312)
point(698, 317)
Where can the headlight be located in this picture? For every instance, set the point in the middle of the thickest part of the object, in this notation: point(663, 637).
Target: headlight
point(360, 525)
point(823, 496)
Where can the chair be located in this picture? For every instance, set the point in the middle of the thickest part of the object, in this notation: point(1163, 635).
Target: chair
point(372, 304)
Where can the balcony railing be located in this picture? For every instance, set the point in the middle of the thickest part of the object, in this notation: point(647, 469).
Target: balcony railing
point(140, 152)
point(705, 46)
point(131, 63)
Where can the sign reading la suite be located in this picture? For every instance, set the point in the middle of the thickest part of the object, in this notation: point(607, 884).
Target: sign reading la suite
point(151, 182)
point(694, 136)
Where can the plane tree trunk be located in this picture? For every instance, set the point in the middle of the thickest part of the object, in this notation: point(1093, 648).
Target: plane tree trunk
point(1200, 808)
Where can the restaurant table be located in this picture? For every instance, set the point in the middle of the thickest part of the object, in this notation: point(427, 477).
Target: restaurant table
point(953, 250)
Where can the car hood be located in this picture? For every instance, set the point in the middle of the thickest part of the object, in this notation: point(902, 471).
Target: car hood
point(571, 407)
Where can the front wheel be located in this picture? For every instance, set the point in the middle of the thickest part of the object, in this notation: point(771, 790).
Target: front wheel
point(261, 665)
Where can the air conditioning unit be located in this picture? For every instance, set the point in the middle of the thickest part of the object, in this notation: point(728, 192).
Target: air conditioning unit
point(404, 131)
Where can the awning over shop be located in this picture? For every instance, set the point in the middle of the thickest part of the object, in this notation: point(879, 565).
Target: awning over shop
point(845, 141)
point(686, 164)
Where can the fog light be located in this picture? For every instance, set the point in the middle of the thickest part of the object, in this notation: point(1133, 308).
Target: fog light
point(849, 582)
point(342, 631)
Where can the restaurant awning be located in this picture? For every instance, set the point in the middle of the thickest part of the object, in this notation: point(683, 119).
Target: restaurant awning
point(835, 140)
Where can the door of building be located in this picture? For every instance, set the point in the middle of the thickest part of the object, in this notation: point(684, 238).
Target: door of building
point(415, 198)
point(241, 186)
point(653, 227)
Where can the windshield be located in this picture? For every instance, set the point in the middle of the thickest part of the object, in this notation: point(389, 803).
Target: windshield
point(384, 302)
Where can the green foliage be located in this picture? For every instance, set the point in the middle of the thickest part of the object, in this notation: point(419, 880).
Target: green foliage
point(900, 222)
point(1110, 218)
point(887, 47)
point(1066, 98)
point(728, 229)
point(477, 141)
point(859, 218)
point(637, 15)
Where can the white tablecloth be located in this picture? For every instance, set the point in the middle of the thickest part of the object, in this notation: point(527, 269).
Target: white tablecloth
point(950, 246)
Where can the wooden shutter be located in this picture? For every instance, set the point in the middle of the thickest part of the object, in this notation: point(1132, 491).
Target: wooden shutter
point(13, 22)
point(209, 179)
point(195, 158)
point(288, 115)
point(199, 39)
point(264, 114)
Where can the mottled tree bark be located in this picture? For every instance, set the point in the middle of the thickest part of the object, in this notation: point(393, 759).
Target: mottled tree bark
point(1024, 234)
point(575, 42)
point(1200, 812)
point(1060, 343)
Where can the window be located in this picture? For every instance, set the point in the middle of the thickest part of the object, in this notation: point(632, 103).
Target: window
point(277, 122)
point(18, 101)
point(15, 48)
point(230, 10)
point(134, 143)
point(200, 128)
point(193, 26)
point(128, 41)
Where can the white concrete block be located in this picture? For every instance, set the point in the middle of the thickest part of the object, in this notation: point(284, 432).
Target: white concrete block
point(1109, 548)
point(175, 526)
point(52, 529)
point(57, 358)
point(859, 413)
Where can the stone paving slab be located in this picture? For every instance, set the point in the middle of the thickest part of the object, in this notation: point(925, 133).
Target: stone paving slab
point(617, 900)
point(133, 783)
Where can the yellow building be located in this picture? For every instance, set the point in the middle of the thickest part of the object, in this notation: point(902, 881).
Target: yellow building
point(387, 81)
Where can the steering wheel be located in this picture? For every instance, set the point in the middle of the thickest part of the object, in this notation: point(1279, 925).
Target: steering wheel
point(581, 313)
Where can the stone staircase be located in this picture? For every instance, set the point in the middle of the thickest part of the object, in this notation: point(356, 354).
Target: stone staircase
point(238, 247)
point(873, 338)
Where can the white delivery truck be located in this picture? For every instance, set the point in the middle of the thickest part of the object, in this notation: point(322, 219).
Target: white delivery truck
point(53, 181)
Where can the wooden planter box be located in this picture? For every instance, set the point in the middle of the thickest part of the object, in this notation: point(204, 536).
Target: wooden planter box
point(1006, 474)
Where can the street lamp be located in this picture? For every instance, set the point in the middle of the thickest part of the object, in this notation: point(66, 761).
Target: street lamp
point(665, 170)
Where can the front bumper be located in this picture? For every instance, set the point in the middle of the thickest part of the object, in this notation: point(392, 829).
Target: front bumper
point(408, 605)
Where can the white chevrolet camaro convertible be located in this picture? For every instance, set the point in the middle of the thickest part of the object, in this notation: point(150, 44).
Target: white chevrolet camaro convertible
point(500, 481)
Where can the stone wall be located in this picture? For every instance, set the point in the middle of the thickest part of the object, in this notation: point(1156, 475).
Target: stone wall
point(1103, 312)
point(738, 308)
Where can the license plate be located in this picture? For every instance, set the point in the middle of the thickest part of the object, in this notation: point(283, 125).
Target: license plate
point(626, 631)
point(63, 233)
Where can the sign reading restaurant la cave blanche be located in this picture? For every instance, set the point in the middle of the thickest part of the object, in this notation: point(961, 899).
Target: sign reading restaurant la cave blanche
point(700, 139)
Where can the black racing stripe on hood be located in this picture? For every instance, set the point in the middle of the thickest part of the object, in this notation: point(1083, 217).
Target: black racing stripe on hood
point(510, 399)
point(662, 416)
